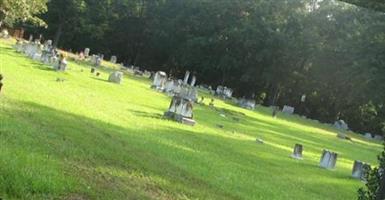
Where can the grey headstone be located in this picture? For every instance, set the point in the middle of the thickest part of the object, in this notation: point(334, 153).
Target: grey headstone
point(116, 77)
point(113, 59)
point(297, 152)
point(186, 76)
point(288, 109)
point(159, 81)
point(193, 81)
point(87, 52)
point(340, 124)
point(181, 110)
point(328, 159)
point(360, 170)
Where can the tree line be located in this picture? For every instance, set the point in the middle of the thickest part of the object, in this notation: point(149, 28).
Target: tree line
point(270, 51)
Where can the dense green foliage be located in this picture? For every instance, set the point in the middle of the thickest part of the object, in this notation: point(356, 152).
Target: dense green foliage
point(331, 51)
point(13, 11)
point(375, 186)
point(86, 138)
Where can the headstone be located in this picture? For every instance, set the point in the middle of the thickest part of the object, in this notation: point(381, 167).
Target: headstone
point(259, 140)
point(146, 74)
point(379, 137)
point(4, 34)
point(297, 152)
point(288, 109)
point(189, 93)
point(1, 82)
point(193, 80)
point(113, 59)
point(62, 64)
point(159, 82)
point(38, 53)
point(116, 77)
point(86, 52)
point(340, 124)
point(98, 61)
point(303, 98)
point(328, 159)
point(181, 110)
point(228, 92)
point(224, 92)
point(92, 70)
point(172, 87)
point(47, 52)
point(137, 72)
point(186, 76)
point(247, 103)
point(360, 169)
point(341, 135)
point(367, 135)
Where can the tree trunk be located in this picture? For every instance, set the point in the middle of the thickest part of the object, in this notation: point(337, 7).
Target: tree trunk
point(58, 34)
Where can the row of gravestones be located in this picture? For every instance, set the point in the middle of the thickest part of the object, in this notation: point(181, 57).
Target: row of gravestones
point(45, 53)
point(96, 59)
point(329, 160)
point(183, 94)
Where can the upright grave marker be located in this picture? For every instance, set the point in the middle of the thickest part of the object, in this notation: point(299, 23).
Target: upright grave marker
point(1, 82)
point(113, 59)
point(86, 52)
point(116, 77)
point(186, 76)
point(297, 152)
point(328, 159)
point(288, 109)
point(247, 103)
point(159, 82)
point(360, 169)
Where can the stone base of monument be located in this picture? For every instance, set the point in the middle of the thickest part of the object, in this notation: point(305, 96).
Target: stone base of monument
point(157, 88)
point(179, 118)
point(188, 121)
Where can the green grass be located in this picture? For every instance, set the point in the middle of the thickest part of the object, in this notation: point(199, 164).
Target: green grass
point(86, 138)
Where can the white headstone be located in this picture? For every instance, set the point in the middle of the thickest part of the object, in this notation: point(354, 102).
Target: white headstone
point(288, 109)
point(303, 98)
point(186, 76)
point(113, 59)
point(116, 77)
point(160, 79)
point(193, 80)
point(367, 135)
point(87, 52)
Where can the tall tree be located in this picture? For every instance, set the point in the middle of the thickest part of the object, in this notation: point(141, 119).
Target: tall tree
point(12, 11)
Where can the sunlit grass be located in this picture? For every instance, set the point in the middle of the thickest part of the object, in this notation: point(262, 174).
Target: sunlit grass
point(90, 139)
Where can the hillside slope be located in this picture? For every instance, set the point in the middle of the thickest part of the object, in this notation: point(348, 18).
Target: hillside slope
point(86, 138)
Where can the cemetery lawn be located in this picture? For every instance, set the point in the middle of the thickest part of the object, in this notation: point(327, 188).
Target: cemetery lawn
point(86, 138)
